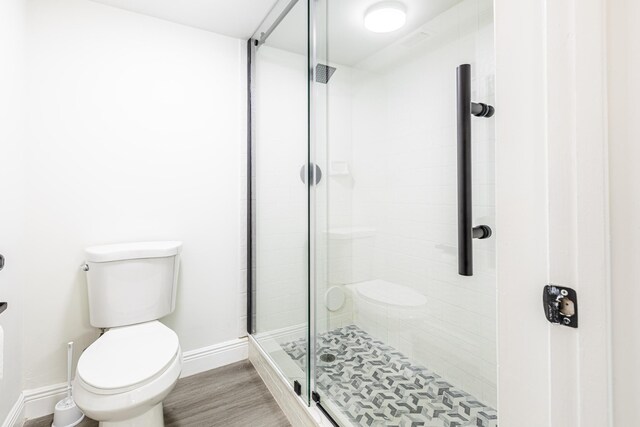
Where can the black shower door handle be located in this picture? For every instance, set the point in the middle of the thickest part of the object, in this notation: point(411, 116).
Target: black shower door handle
point(466, 231)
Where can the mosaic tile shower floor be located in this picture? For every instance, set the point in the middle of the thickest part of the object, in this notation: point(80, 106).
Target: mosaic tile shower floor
point(375, 385)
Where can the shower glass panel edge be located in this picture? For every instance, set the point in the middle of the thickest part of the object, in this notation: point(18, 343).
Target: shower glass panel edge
point(278, 199)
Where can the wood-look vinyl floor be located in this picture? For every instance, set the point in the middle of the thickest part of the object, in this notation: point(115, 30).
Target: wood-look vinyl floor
point(231, 396)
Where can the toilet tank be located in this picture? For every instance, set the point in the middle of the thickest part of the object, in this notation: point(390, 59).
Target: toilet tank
point(131, 283)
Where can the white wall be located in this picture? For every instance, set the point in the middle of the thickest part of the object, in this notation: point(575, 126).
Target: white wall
point(134, 133)
point(624, 156)
point(11, 225)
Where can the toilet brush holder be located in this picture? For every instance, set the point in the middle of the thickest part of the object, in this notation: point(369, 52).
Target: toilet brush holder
point(66, 413)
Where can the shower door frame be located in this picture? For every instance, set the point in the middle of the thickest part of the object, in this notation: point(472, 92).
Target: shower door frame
point(250, 219)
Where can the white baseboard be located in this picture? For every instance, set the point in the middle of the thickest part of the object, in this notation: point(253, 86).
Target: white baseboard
point(214, 356)
point(15, 417)
point(35, 403)
point(39, 402)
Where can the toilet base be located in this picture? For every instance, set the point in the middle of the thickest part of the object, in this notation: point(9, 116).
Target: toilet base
point(152, 418)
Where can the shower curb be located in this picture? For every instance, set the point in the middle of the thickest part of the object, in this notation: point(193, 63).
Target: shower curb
point(296, 410)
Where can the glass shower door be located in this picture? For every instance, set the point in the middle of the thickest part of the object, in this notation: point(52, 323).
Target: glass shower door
point(280, 205)
point(399, 336)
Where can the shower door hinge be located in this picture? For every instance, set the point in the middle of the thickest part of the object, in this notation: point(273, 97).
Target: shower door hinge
point(315, 396)
point(297, 387)
point(560, 305)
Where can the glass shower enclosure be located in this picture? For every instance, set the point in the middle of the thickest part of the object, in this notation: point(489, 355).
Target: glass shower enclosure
point(372, 215)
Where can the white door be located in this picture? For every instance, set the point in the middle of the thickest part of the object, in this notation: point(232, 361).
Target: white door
point(551, 203)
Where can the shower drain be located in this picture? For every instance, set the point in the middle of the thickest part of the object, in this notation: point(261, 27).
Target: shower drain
point(327, 358)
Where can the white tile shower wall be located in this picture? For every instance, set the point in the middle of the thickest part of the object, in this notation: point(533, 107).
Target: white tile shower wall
point(134, 130)
point(281, 196)
point(404, 154)
point(334, 196)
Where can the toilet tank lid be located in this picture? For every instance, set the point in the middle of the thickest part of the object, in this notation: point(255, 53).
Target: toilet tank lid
point(137, 250)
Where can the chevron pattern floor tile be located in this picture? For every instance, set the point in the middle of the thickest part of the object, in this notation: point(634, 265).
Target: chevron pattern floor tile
point(375, 385)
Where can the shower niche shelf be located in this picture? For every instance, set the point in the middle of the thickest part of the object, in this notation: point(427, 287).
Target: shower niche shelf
point(339, 168)
point(350, 233)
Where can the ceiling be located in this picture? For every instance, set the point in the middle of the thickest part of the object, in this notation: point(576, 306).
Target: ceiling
point(234, 18)
point(349, 42)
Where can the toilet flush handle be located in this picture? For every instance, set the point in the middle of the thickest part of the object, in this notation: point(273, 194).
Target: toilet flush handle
point(84, 267)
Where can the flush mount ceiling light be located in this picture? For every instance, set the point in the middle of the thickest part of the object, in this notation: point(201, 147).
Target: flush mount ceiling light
point(385, 17)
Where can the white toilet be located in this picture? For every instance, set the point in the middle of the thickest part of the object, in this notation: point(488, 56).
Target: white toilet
point(123, 377)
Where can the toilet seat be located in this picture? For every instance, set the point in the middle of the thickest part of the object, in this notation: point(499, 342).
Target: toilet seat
point(144, 400)
point(122, 378)
point(127, 358)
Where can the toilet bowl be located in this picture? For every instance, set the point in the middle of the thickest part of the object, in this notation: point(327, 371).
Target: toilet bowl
point(123, 377)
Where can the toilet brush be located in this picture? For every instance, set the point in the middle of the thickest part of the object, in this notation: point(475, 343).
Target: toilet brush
point(66, 413)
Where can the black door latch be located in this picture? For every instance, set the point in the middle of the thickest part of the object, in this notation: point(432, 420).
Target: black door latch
point(560, 305)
